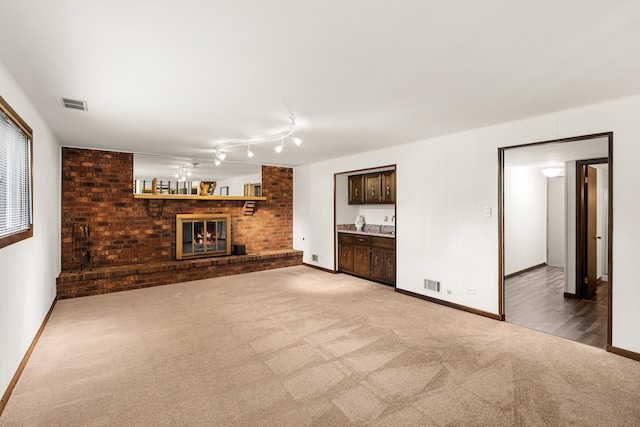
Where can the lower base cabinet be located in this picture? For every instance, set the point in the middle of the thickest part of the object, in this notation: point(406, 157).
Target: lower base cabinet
point(371, 257)
point(345, 257)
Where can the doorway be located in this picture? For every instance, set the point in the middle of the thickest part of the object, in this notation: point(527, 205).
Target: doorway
point(546, 279)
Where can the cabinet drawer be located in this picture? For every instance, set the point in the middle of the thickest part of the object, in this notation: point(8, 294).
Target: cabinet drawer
point(361, 240)
point(345, 238)
point(383, 242)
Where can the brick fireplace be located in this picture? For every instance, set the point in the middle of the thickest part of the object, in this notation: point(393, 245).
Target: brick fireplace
point(122, 231)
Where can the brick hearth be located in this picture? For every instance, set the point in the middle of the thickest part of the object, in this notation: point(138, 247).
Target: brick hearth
point(104, 280)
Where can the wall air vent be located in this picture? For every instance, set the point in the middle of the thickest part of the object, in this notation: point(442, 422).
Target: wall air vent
point(432, 285)
point(74, 104)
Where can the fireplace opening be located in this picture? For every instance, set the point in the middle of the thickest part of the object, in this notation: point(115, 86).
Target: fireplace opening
point(202, 235)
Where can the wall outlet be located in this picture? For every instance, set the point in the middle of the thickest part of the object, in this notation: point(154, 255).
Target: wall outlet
point(448, 291)
point(314, 257)
point(386, 218)
point(471, 291)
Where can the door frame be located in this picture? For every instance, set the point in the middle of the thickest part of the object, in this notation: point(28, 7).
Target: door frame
point(501, 153)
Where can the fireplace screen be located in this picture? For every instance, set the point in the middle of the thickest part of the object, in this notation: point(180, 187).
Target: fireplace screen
point(202, 235)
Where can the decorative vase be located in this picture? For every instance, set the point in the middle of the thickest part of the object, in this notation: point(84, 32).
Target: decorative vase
point(359, 222)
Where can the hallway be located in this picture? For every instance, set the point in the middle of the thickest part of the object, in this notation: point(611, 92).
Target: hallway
point(535, 300)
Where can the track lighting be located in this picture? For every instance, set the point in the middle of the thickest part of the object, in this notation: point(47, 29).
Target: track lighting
point(222, 149)
point(280, 147)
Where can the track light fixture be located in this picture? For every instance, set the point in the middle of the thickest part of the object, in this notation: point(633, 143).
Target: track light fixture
point(222, 149)
point(280, 147)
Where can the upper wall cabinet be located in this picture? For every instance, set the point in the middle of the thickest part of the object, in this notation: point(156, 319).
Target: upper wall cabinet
point(356, 189)
point(388, 184)
point(374, 188)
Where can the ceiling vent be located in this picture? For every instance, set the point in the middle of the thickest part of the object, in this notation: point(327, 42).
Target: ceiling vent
point(74, 104)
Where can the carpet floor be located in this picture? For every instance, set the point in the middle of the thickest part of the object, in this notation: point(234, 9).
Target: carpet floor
point(301, 347)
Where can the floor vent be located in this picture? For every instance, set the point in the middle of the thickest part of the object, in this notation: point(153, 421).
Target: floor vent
point(74, 104)
point(432, 285)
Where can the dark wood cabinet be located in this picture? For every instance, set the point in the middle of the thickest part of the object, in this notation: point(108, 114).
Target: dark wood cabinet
point(377, 263)
point(371, 257)
point(375, 188)
point(383, 259)
point(388, 187)
point(361, 256)
point(345, 252)
point(372, 188)
point(356, 189)
point(389, 266)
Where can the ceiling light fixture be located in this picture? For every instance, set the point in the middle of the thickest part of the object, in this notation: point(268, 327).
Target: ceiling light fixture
point(552, 171)
point(183, 173)
point(280, 147)
point(222, 149)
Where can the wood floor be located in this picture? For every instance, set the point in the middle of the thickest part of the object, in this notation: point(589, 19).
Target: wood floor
point(535, 299)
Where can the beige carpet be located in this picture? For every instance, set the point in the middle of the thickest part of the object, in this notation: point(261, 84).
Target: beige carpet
point(296, 347)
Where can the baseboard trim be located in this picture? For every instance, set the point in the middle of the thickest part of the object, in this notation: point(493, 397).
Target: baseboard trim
point(624, 353)
point(452, 305)
point(25, 359)
point(571, 296)
point(508, 276)
point(326, 270)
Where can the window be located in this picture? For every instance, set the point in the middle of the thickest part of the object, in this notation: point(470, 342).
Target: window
point(16, 214)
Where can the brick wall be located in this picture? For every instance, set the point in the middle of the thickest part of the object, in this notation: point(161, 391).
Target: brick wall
point(97, 190)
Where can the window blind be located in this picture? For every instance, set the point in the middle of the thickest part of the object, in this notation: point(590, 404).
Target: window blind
point(15, 178)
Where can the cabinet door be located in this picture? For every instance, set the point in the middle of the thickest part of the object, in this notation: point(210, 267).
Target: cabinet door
point(372, 188)
point(361, 260)
point(390, 266)
point(356, 189)
point(345, 257)
point(388, 187)
point(377, 263)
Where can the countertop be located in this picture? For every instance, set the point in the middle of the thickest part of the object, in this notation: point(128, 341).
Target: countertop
point(369, 233)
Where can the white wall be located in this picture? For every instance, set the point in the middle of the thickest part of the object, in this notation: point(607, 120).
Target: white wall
point(28, 269)
point(236, 184)
point(570, 227)
point(376, 214)
point(555, 222)
point(444, 235)
point(525, 218)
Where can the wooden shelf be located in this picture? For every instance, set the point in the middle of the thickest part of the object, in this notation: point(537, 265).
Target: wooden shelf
point(195, 197)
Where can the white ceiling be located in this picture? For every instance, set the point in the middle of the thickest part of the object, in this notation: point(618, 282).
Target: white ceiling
point(543, 155)
point(177, 78)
